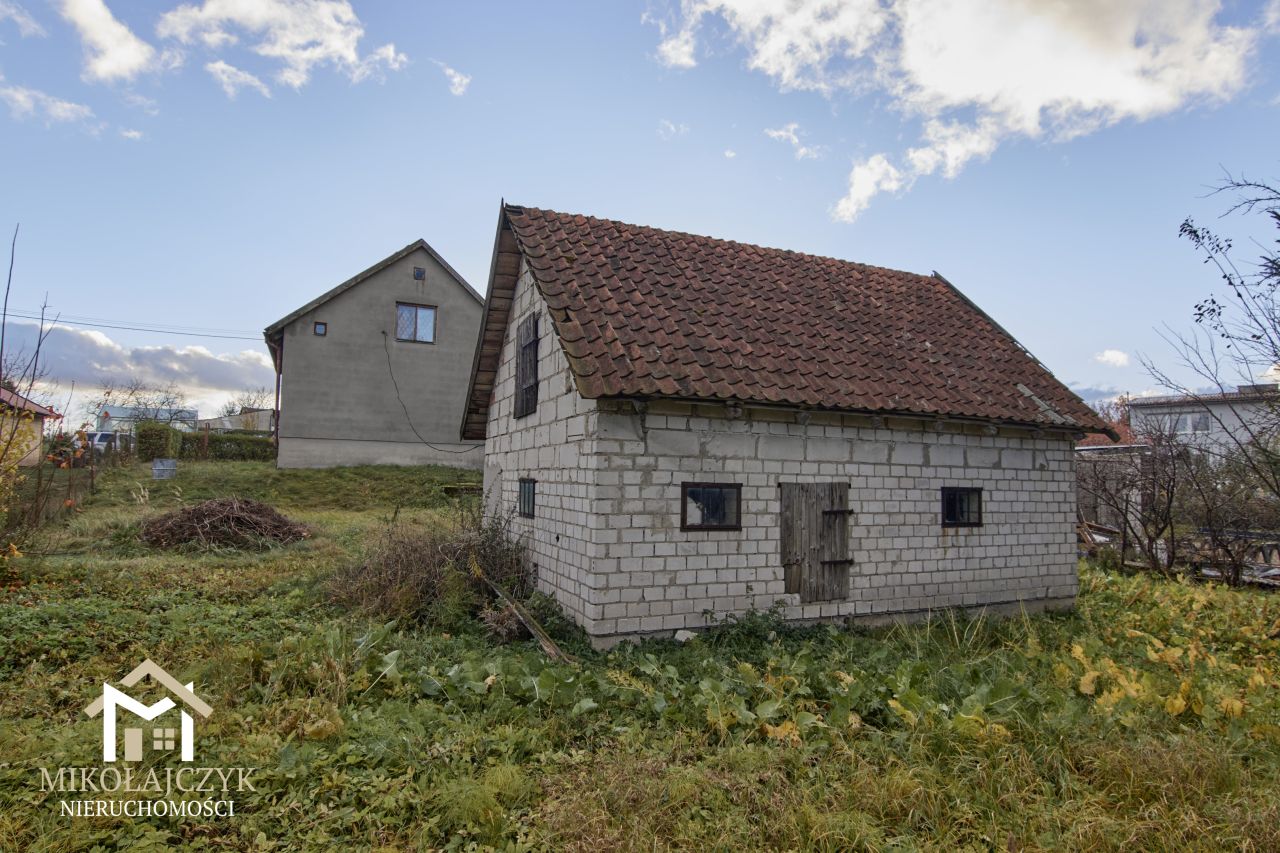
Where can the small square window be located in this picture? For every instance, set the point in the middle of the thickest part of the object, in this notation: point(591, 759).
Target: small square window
point(710, 506)
point(419, 274)
point(961, 507)
point(526, 497)
point(415, 323)
point(321, 329)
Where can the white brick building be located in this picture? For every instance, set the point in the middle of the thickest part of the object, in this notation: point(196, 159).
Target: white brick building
point(697, 426)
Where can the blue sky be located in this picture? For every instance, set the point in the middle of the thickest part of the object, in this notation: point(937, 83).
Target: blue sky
point(216, 164)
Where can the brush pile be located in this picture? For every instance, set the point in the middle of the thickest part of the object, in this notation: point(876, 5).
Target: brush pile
point(222, 523)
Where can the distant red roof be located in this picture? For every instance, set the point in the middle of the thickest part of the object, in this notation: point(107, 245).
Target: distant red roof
point(14, 400)
point(642, 312)
point(1123, 432)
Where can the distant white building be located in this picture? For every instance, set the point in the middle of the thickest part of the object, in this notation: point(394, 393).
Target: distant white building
point(125, 418)
point(254, 420)
point(1223, 419)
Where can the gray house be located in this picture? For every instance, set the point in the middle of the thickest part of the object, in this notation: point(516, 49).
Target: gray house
point(375, 370)
point(685, 425)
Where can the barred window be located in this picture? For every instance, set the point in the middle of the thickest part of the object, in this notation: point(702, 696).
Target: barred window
point(527, 367)
point(525, 497)
point(961, 507)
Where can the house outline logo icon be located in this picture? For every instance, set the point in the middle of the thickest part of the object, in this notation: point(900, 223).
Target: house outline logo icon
point(163, 738)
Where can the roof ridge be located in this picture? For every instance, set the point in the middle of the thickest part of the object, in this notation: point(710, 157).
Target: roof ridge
point(512, 208)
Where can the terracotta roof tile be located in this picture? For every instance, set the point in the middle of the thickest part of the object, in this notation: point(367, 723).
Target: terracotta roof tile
point(661, 313)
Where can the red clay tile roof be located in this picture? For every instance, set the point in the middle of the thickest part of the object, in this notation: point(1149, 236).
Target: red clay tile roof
point(1124, 436)
point(642, 312)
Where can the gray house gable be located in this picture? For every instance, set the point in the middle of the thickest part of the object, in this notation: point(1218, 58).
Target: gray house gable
point(356, 389)
point(273, 333)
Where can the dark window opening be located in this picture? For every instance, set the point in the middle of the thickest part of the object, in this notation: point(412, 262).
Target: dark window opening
point(524, 502)
point(527, 367)
point(710, 506)
point(321, 329)
point(416, 323)
point(961, 507)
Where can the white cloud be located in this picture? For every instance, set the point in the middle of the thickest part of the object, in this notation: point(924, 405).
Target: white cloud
point(668, 129)
point(458, 82)
point(233, 79)
point(1112, 358)
point(89, 358)
point(976, 74)
point(27, 25)
point(31, 103)
point(729, 153)
point(868, 178)
point(112, 51)
point(790, 133)
point(300, 34)
point(131, 134)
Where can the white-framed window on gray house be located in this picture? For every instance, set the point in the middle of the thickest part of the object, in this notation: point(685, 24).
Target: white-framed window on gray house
point(710, 506)
point(415, 323)
point(527, 366)
point(961, 506)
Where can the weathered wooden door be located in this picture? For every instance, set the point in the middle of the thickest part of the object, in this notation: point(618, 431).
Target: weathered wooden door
point(815, 540)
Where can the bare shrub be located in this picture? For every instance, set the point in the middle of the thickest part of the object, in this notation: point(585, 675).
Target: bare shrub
point(225, 523)
point(421, 574)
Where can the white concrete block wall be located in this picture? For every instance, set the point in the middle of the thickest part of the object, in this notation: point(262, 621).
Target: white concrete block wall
point(606, 535)
point(552, 446)
point(652, 576)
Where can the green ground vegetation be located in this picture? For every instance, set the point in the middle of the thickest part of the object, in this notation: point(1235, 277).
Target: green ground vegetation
point(1147, 719)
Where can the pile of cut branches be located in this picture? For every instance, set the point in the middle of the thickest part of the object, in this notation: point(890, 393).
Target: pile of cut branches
point(222, 523)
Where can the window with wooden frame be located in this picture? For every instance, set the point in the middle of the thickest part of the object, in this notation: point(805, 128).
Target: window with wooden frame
point(415, 323)
point(961, 507)
point(710, 506)
point(527, 366)
point(525, 497)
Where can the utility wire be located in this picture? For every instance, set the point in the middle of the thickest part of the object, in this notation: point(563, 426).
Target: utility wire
point(85, 318)
point(386, 346)
point(152, 329)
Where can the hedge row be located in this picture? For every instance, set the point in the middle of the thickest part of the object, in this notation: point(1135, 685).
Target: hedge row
point(228, 447)
point(157, 441)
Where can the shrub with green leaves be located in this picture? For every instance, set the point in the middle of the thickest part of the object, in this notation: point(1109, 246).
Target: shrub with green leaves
point(228, 447)
point(157, 441)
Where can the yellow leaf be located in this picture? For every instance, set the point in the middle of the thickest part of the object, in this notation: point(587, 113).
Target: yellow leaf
point(907, 716)
point(1257, 680)
point(786, 731)
point(1175, 705)
point(1088, 682)
point(1232, 707)
point(1077, 652)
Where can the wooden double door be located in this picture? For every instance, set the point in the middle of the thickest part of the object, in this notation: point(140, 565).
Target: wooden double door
point(815, 540)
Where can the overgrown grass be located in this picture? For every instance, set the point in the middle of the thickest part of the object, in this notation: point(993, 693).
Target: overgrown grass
point(1148, 719)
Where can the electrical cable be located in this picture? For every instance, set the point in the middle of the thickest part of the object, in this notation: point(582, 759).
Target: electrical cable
point(62, 322)
point(386, 346)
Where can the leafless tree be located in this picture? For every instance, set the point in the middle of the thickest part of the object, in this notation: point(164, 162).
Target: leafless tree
point(1136, 488)
point(1236, 338)
point(244, 404)
point(1226, 512)
point(164, 403)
